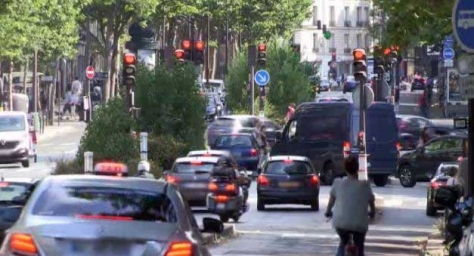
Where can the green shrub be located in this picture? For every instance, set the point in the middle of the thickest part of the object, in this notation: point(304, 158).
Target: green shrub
point(66, 166)
point(164, 149)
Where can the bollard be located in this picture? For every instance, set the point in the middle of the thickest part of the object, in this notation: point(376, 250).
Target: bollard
point(363, 173)
point(144, 146)
point(88, 162)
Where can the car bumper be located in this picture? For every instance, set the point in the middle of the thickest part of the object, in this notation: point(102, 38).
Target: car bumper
point(13, 156)
point(195, 197)
point(280, 196)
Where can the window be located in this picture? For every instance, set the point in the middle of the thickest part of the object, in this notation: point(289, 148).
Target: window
point(346, 14)
point(191, 168)
point(367, 41)
point(451, 144)
point(12, 123)
point(232, 141)
point(288, 168)
point(322, 127)
point(359, 40)
point(315, 15)
point(13, 191)
point(367, 14)
point(332, 15)
point(359, 14)
point(346, 41)
point(333, 42)
point(434, 145)
point(105, 202)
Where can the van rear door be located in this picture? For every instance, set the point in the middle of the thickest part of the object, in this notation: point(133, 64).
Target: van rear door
point(381, 139)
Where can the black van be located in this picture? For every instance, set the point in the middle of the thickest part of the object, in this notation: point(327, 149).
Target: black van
point(324, 131)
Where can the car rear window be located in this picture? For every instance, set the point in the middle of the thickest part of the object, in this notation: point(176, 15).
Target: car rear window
point(229, 141)
point(191, 168)
point(323, 127)
point(13, 191)
point(288, 168)
point(96, 202)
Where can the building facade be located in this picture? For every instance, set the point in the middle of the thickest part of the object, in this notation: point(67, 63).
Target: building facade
point(348, 21)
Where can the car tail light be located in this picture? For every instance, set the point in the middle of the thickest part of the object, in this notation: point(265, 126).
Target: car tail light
point(195, 163)
point(103, 217)
point(263, 181)
point(346, 149)
point(180, 249)
point(399, 146)
point(212, 186)
point(253, 152)
point(435, 184)
point(222, 199)
point(314, 180)
point(230, 188)
point(22, 244)
point(171, 179)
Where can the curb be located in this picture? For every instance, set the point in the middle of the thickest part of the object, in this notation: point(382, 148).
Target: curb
point(214, 238)
point(379, 205)
point(434, 245)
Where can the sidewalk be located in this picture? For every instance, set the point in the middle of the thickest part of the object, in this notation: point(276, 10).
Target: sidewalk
point(64, 127)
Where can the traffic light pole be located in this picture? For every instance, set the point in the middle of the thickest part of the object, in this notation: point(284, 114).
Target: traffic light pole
point(252, 89)
point(363, 172)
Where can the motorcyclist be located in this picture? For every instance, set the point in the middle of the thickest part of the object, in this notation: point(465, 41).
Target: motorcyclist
point(143, 170)
point(236, 178)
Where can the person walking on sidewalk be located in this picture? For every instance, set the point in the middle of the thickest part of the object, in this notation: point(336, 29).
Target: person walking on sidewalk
point(423, 104)
point(290, 112)
point(351, 199)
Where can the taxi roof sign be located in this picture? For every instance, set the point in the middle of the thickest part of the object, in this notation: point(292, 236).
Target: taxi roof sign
point(107, 168)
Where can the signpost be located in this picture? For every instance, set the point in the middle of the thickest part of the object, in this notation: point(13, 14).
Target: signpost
point(448, 56)
point(464, 34)
point(262, 77)
point(90, 72)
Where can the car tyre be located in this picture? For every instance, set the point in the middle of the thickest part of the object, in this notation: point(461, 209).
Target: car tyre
point(224, 218)
point(260, 205)
point(315, 205)
point(406, 176)
point(380, 180)
point(25, 163)
point(236, 218)
point(431, 210)
point(328, 174)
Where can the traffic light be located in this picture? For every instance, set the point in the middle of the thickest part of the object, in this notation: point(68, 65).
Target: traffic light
point(379, 66)
point(180, 55)
point(129, 69)
point(262, 54)
point(360, 65)
point(187, 46)
point(198, 52)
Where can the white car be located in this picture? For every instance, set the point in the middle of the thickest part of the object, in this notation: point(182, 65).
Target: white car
point(324, 85)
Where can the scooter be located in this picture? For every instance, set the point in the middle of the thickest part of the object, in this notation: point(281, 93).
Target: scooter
point(226, 198)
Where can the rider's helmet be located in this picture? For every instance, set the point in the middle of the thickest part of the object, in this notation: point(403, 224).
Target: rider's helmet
point(143, 167)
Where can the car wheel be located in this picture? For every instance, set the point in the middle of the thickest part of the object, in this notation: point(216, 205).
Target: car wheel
point(26, 163)
point(224, 218)
point(430, 210)
point(315, 205)
point(260, 205)
point(236, 218)
point(380, 180)
point(406, 176)
point(328, 174)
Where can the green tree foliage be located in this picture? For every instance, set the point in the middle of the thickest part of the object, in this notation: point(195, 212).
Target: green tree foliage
point(409, 22)
point(170, 104)
point(289, 81)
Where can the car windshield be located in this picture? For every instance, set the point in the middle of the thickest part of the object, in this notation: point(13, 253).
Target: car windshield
point(288, 167)
point(191, 168)
point(12, 123)
point(229, 141)
point(13, 191)
point(105, 202)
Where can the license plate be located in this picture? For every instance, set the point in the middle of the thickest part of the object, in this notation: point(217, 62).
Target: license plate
point(288, 184)
point(220, 206)
point(195, 185)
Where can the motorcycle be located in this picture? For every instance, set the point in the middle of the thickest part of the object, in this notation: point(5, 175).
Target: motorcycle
point(457, 216)
point(226, 197)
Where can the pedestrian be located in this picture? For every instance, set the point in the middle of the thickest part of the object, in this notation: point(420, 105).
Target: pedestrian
point(423, 103)
point(76, 87)
point(452, 172)
point(351, 199)
point(68, 104)
point(290, 111)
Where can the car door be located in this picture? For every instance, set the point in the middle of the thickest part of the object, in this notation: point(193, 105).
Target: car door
point(451, 149)
point(429, 157)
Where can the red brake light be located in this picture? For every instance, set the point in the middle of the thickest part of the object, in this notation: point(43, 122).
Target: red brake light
point(4, 184)
point(180, 249)
point(435, 184)
point(196, 163)
point(103, 217)
point(212, 186)
point(263, 181)
point(171, 179)
point(230, 187)
point(314, 180)
point(253, 152)
point(207, 154)
point(22, 244)
point(288, 161)
point(399, 146)
point(346, 149)
point(222, 199)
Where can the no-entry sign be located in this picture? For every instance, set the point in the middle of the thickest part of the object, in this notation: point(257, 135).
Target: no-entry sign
point(90, 72)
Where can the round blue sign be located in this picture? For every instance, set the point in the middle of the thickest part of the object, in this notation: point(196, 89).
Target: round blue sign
point(448, 54)
point(463, 24)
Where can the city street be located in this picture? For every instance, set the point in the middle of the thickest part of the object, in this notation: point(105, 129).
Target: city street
point(295, 230)
point(58, 142)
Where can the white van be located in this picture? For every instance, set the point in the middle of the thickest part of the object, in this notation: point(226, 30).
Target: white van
point(15, 140)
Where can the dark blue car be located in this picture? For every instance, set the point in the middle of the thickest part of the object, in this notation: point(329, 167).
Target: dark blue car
point(244, 148)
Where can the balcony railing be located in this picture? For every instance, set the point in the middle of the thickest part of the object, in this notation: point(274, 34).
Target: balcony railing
point(332, 49)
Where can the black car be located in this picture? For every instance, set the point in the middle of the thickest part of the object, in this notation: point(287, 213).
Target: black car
point(422, 163)
point(14, 194)
point(288, 180)
point(418, 84)
point(439, 180)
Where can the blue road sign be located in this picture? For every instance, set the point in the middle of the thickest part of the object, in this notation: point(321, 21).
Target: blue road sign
point(463, 25)
point(448, 53)
point(262, 77)
point(448, 42)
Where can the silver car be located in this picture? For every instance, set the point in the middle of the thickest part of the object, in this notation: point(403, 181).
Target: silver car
point(103, 215)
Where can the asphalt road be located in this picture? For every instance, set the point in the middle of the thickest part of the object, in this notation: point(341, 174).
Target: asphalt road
point(56, 143)
point(295, 230)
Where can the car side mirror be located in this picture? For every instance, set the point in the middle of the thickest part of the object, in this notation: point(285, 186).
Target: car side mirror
point(278, 135)
point(211, 225)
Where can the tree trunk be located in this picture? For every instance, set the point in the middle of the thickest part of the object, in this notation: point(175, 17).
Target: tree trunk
point(25, 73)
point(214, 62)
point(10, 85)
point(109, 52)
point(171, 32)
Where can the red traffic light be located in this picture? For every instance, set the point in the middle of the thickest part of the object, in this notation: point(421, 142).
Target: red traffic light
point(359, 54)
point(179, 54)
point(129, 59)
point(199, 45)
point(186, 44)
point(387, 51)
point(262, 47)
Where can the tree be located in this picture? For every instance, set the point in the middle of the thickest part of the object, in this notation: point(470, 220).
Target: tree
point(113, 18)
point(411, 22)
point(289, 81)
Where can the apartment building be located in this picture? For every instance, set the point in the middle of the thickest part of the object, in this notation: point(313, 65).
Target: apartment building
point(348, 21)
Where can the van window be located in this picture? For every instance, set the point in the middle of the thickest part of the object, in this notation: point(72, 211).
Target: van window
point(314, 128)
point(12, 123)
point(381, 125)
